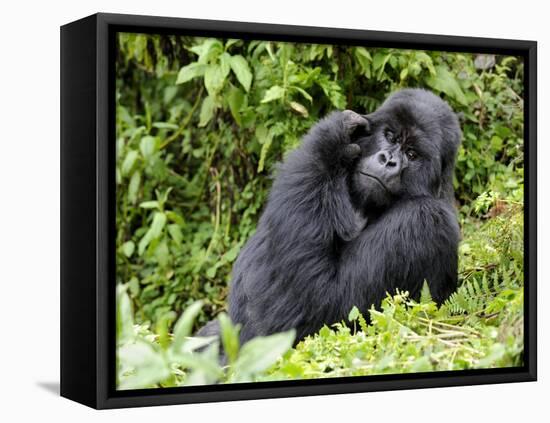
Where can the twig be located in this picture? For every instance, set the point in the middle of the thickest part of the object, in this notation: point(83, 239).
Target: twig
point(183, 126)
point(437, 322)
point(215, 174)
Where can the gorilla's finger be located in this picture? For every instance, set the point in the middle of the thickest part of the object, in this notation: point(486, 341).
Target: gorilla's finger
point(351, 151)
point(354, 122)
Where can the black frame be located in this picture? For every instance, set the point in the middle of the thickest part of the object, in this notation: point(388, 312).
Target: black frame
point(88, 211)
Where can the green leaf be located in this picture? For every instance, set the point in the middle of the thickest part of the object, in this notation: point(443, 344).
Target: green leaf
point(230, 337)
point(363, 323)
point(259, 354)
point(364, 59)
point(304, 93)
point(496, 143)
point(503, 131)
point(232, 254)
point(353, 314)
point(274, 93)
point(425, 294)
point(445, 82)
point(379, 63)
point(162, 253)
point(240, 68)
point(194, 343)
point(125, 319)
point(231, 42)
point(174, 217)
point(333, 91)
point(325, 332)
point(175, 232)
point(165, 125)
point(235, 99)
point(214, 77)
point(211, 272)
point(423, 57)
point(133, 286)
point(159, 220)
point(128, 248)
point(162, 329)
point(150, 204)
point(264, 138)
point(205, 367)
point(299, 108)
point(422, 364)
point(193, 70)
point(148, 146)
point(133, 187)
point(225, 63)
point(140, 365)
point(207, 111)
point(208, 51)
point(129, 162)
point(183, 326)
point(362, 51)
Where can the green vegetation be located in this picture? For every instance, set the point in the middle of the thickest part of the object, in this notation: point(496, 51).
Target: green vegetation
point(147, 359)
point(201, 124)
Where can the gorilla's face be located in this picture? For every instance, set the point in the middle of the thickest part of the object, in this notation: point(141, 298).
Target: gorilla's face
point(408, 151)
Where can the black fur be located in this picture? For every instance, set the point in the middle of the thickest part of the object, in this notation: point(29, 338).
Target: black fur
point(353, 214)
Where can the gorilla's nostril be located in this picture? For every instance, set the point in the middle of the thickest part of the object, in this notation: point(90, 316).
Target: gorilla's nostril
point(382, 159)
point(391, 163)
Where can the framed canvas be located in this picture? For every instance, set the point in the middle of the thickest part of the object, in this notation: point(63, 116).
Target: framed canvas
point(258, 211)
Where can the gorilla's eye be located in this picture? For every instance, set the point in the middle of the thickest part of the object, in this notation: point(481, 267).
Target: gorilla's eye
point(411, 154)
point(390, 136)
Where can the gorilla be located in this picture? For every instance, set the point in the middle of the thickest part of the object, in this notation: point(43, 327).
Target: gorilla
point(364, 206)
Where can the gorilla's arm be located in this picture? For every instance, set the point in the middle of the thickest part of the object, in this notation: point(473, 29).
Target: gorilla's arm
point(415, 240)
point(312, 183)
point(285, 275)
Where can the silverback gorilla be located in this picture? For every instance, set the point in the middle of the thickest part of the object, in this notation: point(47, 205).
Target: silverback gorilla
point(362, 207)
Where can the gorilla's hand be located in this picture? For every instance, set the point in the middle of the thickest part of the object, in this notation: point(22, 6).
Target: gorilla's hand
point(353, 125)
point(332, 139)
